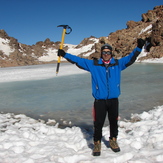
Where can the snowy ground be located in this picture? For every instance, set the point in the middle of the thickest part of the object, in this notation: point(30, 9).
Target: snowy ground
point(25, 140)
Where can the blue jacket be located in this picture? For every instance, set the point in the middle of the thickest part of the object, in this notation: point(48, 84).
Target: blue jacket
point(105, 80)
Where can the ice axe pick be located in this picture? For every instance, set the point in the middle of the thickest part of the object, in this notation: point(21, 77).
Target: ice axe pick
point(62, 42)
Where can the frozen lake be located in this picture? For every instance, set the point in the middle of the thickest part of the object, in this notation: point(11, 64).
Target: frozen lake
point(37, 92)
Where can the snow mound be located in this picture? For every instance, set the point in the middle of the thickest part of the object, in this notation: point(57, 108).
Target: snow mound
point(25, 140)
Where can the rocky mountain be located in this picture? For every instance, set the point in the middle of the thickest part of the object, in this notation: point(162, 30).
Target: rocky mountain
point(150, 27)
point(13, 53)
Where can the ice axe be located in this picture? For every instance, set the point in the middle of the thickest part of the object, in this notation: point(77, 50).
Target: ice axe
point(62, 42)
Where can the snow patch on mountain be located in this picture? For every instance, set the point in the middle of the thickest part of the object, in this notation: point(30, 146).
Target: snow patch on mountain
point(5, 48)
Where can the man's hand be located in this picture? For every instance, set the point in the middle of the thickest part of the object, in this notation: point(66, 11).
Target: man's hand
point(148, 44)
point(61, 53)
point(140, 43)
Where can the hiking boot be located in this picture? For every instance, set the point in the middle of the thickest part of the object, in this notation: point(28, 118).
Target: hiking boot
point(113, 144)
point(97, 148)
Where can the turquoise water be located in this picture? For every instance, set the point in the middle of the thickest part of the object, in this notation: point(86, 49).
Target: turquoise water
point(69, 97)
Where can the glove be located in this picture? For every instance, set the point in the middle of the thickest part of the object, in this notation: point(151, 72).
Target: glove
point(61, 53)
point(148, 44)
point(140, 43)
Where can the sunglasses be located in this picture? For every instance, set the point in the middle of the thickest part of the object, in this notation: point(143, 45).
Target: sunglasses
point(108, 52)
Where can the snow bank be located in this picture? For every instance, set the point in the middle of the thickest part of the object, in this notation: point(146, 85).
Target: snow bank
point(25, 140)
point(152, 60)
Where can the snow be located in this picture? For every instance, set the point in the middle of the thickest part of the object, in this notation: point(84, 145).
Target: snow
point(51, 55)
point(142, 54)
point(82, 49)
point(146, 29)
point(154, 60)
point(4, 44)
point(86, 48)
point(25, 140)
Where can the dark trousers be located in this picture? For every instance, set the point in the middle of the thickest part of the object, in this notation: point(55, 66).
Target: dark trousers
point(101, 109)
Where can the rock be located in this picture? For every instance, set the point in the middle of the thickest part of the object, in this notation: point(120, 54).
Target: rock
point(3, 34)
point(132, 24)
point(156, 32)
point(86, 41)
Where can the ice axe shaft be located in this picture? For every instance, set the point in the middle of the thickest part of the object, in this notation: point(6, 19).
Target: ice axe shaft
point(62, 42)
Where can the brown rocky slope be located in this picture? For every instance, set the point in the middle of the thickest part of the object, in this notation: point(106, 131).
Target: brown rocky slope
point(150, 27)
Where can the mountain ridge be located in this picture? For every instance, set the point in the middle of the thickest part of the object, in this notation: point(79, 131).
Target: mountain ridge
point(13, 53)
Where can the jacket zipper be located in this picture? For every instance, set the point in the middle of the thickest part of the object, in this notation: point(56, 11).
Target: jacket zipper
point(107, 79)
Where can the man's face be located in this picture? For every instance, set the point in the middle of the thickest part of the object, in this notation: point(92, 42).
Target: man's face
point(105, 56)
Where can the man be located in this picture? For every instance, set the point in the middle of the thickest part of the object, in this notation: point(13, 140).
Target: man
point(106, 74)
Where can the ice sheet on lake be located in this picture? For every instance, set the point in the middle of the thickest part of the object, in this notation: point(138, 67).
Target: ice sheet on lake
point(37, 72)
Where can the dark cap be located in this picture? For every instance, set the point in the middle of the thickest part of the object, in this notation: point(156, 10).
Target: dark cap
point(106, 46)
